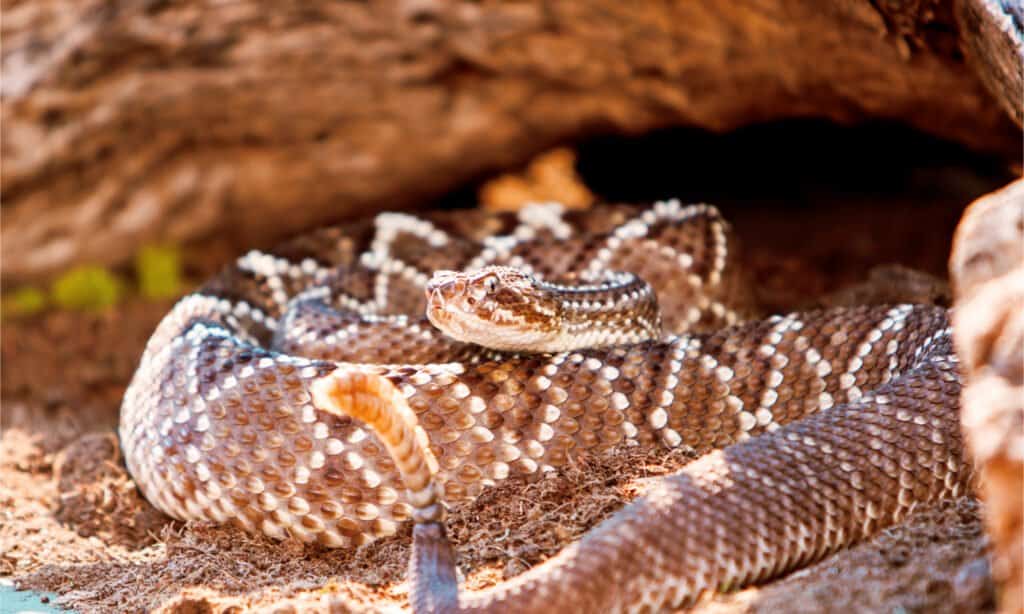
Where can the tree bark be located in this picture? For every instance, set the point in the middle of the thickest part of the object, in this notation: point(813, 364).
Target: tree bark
point(127, 122)
point(993, 40)
point(987, 270)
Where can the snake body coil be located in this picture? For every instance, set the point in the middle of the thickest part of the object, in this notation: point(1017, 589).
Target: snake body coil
point(843, 419)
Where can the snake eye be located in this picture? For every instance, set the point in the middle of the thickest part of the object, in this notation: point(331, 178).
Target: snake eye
point(491, 283)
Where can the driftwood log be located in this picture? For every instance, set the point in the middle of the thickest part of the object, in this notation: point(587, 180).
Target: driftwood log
point(987, 270)
point(992, 32)
point(126, 122)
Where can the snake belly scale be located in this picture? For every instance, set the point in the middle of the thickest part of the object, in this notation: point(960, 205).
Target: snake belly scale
point(220, 421)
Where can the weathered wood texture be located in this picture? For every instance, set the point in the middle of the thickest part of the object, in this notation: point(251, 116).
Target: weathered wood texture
point(987, 270)
point(993, 41)
point(126, 122)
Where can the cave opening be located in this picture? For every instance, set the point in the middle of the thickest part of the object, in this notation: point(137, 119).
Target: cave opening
point(817, 205)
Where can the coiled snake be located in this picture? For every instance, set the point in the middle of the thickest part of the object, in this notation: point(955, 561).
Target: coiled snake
point(252, 399)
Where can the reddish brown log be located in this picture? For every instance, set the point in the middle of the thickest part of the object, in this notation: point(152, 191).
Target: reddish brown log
point(992, 32)
point(126, 122)
point(987, 269)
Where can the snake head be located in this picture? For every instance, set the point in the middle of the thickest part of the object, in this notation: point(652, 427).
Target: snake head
point(497, 307)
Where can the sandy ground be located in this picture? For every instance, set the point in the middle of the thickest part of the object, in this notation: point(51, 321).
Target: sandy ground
point(73, 522)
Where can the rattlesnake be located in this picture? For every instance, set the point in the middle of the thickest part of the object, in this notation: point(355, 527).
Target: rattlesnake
point(241, 409)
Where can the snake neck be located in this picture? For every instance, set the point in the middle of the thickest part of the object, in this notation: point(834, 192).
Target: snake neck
point(621, 310)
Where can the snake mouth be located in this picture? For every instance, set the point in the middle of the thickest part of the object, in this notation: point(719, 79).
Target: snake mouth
point(450, 314)
point(442, 310)
point(436, 311)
